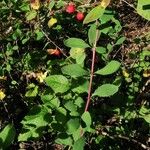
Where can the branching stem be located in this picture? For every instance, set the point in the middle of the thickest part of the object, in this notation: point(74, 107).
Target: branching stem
point(92, 72)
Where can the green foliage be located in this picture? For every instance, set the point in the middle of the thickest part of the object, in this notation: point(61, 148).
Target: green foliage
point(87, 119)
point(74, 70)
point(76, 43)
point(58, 83)
point(94, 14)
point(92, 34)
point(79, 144)
point(143, 9)
point(7, 136)
point(106, 90)
point(45, 75)
point(110, 68)
point(31, 15)
point(34, 123)
point(78, 54)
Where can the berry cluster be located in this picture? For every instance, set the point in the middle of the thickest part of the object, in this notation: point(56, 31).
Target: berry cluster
point(71, 8)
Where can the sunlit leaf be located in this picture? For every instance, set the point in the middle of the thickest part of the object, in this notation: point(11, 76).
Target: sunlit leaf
point(105, 3)
point(143, 8)
point(94, 14)
point(58, 83)
point(74, 70)
point(76, 43)
point(105, 90)
point(7, 136)
point(35, 4)
point(110, 68)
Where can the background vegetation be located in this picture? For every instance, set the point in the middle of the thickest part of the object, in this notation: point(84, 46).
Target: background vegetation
point(74, 74)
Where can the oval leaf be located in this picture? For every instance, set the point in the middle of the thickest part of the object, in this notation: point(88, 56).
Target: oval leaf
point(94, 14)
point(31, 15)
point(58, 83)
point(110, 68)
point(106, 90)
point(76, 43)
point(86, 117)
point(74, 70)
point(105, 3)
point(92, 34)
point(7, 136)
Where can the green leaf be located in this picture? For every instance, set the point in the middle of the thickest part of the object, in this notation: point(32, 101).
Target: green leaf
point(92, 34)
point(101, 50)
point(110, 68)
point(78, 54)
point(7, 136)
point(106, 90)
point(143, 8)
point(61, 115)
point(58, 83)
point(25, 7)
point(34, 123)
point(36, 117)
point(46, 98)
point(49, 100)
point(31, 15)
point(147, 118)
point(74, 70)
point(86, 117)
point(70, 106)
point(79, 102)
point(118, 26)
point(64, 139)
point(79, 144)
point(107, 16)
point(77, 134)
point(120, 41)
point(51, 5)
point(94, 14)
point(76, 43)
point(72, 125)
point(26, 135)
point(81, 86)
point(39, 35)
point(30, 134)
point(32, 92)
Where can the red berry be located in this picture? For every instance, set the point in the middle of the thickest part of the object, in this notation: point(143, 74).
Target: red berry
point(55, 52)
point(80, 16)
point(70, 9)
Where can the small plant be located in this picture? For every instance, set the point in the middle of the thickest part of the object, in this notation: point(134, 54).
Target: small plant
point(59, 77)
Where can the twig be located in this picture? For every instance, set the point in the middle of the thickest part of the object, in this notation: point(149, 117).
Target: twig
point(92, 72)
point(54, 43)
point(126, 138)
point(89, 5)
point(128, 4)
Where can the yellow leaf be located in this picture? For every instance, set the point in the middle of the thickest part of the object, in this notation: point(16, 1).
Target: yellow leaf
point(35, 4)
point(51, 22)
point(146, 73)
point(2, 95)
point(41, 76)
point(3, 78)
point(105, 3)
point(125, 73)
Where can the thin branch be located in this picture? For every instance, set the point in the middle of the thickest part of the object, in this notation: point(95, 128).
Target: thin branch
point(126, 138)
point(92, 72)
point(50, 41)
point(128, 4)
